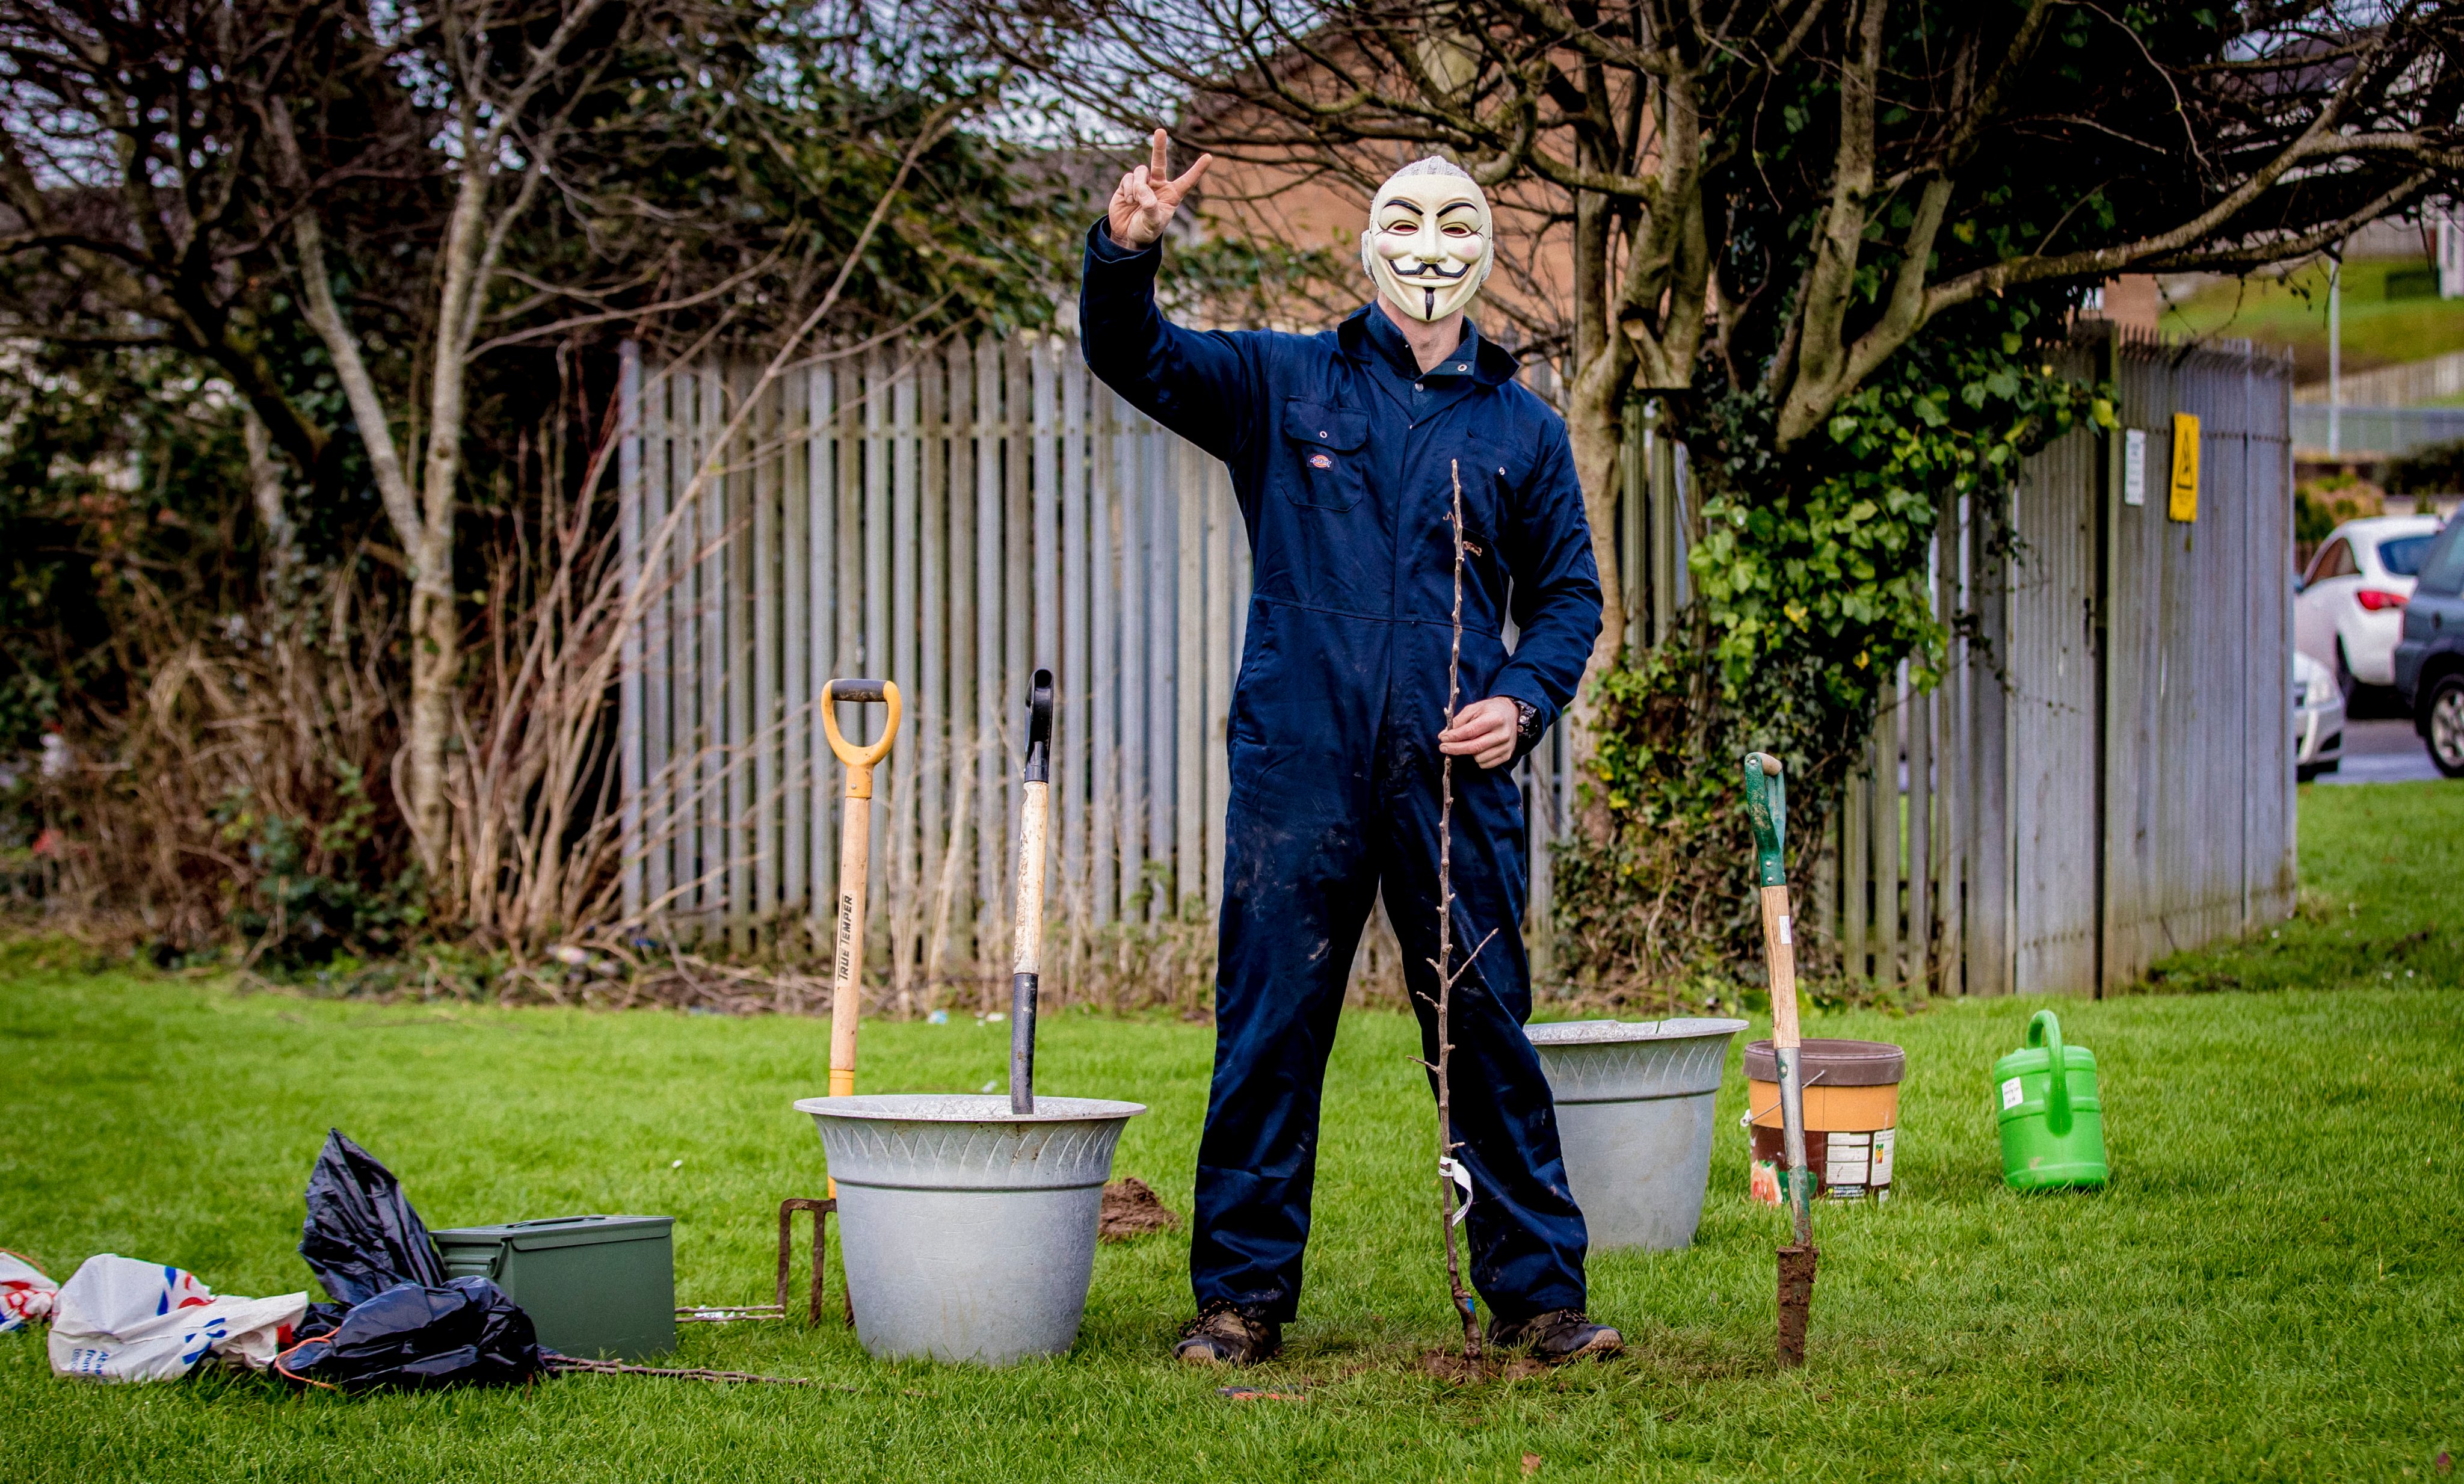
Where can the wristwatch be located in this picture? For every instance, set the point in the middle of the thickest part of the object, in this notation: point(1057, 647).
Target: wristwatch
point(1527, 726)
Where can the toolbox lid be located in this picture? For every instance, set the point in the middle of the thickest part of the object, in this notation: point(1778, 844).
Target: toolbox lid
point(557, 1231)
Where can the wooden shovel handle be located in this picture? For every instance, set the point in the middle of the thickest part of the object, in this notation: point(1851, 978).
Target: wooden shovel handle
point(1779, 950)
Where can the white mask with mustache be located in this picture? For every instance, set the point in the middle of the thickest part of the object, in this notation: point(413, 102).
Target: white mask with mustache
point(1429, 246)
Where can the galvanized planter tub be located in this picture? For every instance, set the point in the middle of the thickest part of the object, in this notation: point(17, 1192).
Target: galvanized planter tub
point(1634, 1116)
point(968, 1233)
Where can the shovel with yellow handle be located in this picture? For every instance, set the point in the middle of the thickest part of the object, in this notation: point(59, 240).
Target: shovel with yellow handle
point(1766, 809)
point(855, 838)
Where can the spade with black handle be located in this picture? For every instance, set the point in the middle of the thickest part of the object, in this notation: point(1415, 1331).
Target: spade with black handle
point(1035, 806)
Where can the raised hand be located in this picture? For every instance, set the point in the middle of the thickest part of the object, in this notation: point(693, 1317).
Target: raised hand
point(1146, 199)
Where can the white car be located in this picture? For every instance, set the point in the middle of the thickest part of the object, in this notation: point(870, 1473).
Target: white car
point(2350, 610)
point(2318, 719)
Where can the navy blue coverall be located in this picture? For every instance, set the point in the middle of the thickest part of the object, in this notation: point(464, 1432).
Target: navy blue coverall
point(1341, 455)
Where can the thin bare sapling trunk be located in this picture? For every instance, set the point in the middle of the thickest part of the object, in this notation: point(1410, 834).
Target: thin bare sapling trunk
point(1449, 1170)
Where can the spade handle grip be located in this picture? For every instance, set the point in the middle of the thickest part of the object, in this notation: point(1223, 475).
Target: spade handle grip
point(860, 761)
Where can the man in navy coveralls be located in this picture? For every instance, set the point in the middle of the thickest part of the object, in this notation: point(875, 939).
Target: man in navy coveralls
point(1344, 447)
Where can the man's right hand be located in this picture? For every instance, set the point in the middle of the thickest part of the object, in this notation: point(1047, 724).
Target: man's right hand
point(1146, 199)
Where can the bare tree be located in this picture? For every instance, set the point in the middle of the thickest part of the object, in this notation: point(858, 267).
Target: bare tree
point(449, 213)
point(131, 167)
point(513, 77)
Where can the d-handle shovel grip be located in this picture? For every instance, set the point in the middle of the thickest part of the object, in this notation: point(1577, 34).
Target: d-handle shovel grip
point(1766, 810)
point(2046, 1030)
point(860, 760)
point(1027, 963)
point(1039, 729)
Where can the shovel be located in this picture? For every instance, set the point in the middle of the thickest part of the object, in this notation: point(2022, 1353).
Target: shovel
point(855, 844)
point(1026, 965)
point(1767, 807)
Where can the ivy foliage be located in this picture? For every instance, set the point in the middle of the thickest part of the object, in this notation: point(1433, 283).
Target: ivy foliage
point(1838, 564)
point(1811, 581)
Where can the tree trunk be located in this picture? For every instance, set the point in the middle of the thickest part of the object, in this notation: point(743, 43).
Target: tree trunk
point(435, 661)
point(273, 519)
point(1596, 427)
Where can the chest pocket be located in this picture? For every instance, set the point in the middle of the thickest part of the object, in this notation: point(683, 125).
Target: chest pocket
point(1327, 442)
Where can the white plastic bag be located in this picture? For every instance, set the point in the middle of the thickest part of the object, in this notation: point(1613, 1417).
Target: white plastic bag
point(25, 1293)
point(116, 1318)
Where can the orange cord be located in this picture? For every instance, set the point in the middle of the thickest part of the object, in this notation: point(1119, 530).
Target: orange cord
point(304, 1344)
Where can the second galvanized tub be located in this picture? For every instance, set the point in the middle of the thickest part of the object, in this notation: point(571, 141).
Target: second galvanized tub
point(968, 1232)
point(1634, 1116)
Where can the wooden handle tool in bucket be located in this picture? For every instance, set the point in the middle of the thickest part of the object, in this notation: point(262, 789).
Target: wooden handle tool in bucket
point(1026, 967)
point(855, 837)
point(1766, 809)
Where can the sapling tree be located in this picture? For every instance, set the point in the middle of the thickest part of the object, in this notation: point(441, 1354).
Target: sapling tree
point(1449, 974)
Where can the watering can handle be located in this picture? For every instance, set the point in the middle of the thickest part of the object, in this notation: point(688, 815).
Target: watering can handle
point(2046, 1030)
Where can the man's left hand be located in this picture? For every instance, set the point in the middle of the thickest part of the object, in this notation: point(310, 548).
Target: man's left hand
point(1482, 732)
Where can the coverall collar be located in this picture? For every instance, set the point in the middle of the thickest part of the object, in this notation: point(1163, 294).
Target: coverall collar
point(1490, 364)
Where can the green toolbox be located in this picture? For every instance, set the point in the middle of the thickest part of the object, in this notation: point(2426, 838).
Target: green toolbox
point(595, 1286)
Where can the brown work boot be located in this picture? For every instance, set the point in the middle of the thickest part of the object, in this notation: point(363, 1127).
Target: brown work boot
point(1557, 1337)
point(1225, 1334)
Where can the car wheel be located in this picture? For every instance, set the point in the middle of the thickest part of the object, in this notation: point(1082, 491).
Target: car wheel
point(2443, 728)
point(2346, 684)
point(2307, 773)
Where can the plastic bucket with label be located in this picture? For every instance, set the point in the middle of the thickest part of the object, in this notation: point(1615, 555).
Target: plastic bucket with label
point(1852, 1117)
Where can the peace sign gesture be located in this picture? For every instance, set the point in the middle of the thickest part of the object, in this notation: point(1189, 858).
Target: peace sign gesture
point(1146, 199)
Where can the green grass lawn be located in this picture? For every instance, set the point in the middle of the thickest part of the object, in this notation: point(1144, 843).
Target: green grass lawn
point(2270, 1289)
point(2292, 311)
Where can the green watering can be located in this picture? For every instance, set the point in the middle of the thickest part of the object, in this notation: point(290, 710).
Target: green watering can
point(2053, 1127)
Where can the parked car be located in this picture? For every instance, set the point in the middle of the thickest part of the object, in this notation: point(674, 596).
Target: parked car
point(2350, 610)
point(2429, 658)
point(2318, 719)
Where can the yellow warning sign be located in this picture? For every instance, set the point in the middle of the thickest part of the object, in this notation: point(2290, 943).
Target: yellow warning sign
point(2185, 502)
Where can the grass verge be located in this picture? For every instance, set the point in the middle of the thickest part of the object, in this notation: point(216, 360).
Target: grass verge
point(2269, 1290)
point(2290, 311)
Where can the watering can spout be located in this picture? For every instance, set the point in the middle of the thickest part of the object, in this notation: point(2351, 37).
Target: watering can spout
point(2046, 1030)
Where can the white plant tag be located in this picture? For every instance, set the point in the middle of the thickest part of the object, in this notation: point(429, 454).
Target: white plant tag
point(1452, 1170)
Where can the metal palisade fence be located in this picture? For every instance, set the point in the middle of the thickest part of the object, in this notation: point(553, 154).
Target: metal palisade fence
point(2102, 774)
point(949, 516)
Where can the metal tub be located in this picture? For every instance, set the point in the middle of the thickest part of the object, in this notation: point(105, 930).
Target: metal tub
point(968, 1233)
point(1634, 1116)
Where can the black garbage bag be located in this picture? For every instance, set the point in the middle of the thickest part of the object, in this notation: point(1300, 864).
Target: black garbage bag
point(362, 1237)
point(464, 1333)
point(401, 1321)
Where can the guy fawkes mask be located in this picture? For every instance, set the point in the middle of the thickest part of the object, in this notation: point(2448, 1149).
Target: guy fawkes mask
point(1428, 246)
